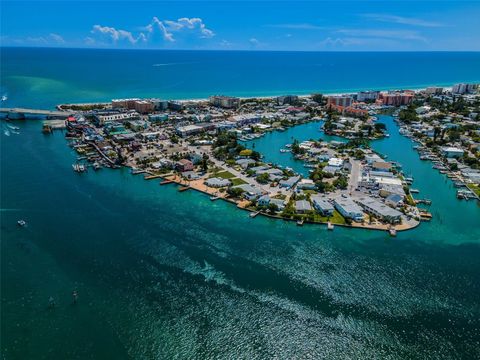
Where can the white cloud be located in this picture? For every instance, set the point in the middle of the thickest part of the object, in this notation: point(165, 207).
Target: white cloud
point(56, 38)
point(304, 26)
point(166, 30)
point(118, 35)
point(402, 20)
point(388, 34)
point(225, 43)
point(89, 41)
point(192, 24)
point(254, 42)
point(50, 39)
point(156, 24)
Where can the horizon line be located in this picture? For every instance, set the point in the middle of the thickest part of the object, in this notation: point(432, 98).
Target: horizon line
point(236, 50)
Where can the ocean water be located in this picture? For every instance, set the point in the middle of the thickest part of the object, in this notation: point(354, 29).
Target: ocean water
point(46, 77)
point(163, 274)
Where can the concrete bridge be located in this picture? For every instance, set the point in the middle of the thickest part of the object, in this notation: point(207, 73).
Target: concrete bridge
point(21, 113)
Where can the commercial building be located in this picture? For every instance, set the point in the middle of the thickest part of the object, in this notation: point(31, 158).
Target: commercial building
point(227, 102)
point(245, 119)
point(348, 208)
point(103, 118)
point(322, 205)
point(379, 210)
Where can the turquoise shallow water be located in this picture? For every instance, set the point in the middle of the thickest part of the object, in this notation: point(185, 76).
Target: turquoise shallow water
point(47, 77)
point(163, 274)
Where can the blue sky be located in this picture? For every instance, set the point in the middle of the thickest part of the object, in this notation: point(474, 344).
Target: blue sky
point(360, 25)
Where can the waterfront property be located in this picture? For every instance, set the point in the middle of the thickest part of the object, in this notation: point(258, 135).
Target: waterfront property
point(379, 210)
point(348, 208)
point(322, 205)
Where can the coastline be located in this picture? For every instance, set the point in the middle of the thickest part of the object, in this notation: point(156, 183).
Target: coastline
point(302, 95)
point(199, 186)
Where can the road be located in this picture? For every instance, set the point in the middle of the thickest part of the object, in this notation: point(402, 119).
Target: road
point(354, 175)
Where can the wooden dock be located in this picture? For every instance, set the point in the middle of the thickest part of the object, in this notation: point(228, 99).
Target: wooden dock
point(152, 176)
point(165, 182)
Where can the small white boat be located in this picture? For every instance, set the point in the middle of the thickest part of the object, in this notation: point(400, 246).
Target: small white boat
point(22, 223)
point(330, 226)
point(392, 232)
point(4, 98)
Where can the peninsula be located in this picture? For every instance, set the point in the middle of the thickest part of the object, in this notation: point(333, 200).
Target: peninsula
point(209, 145)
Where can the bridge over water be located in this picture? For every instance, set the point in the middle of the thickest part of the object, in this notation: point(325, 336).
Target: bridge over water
point(22, 113)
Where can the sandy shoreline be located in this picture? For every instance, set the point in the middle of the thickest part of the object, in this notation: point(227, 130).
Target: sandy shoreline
point(264, 97)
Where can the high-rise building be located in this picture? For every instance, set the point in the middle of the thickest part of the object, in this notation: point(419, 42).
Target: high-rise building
point(224, 101)
point(144, 106)
point(397, 99)
point(343, 100)
point(434, 90)
point(464, 89)
point(367, 95)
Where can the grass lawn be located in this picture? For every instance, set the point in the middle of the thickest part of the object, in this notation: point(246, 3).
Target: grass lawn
point(225, 175)
point(237, 181)
point(336, 218)
point(474, 188)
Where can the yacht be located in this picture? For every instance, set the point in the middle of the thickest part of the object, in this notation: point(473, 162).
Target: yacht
point(22, 223)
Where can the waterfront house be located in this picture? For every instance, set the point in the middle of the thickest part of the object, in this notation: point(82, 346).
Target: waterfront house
point(184, 165)
point(217, 182)
point(266, 200)
point(348, 208)
point(322, 205)
point(302, 206)
point(379, 210)
point(190, 175)
point(249, 192)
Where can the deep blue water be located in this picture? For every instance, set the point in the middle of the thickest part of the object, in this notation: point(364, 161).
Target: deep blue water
point(163, 274)
point(46, 77)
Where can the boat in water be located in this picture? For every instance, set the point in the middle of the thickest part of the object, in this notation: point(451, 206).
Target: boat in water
point(79, 168)
point(22, 223)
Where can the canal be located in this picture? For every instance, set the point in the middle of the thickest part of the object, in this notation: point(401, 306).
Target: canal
point(454, 221)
